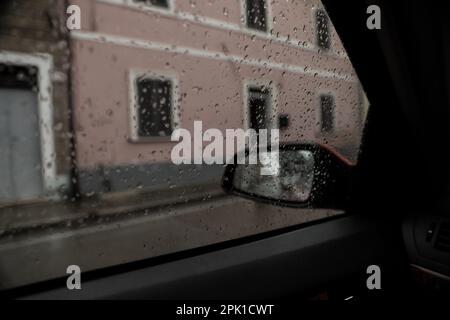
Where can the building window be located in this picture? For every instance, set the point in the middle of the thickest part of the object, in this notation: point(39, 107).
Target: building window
point(156, 3)
point(258, 104)
point(154, 107)
point(323, 29)
point(327, 108)
point(256, 14)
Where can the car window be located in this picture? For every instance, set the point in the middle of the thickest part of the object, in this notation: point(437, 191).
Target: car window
point(97, 96)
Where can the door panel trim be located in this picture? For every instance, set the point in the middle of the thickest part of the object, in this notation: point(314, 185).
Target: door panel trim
point(287, 263)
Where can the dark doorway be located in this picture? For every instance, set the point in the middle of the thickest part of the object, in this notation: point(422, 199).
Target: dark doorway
point(20, 161)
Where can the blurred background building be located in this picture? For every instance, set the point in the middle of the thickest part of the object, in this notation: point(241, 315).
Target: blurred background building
point(94, 110)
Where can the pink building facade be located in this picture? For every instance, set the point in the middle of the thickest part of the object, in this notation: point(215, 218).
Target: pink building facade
point(211, 58)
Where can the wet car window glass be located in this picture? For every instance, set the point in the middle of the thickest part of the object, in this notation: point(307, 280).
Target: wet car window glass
point(91, 94)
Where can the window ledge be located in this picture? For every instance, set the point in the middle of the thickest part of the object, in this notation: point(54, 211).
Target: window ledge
point(148, 140)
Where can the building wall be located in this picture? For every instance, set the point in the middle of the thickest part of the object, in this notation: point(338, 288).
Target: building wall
point(212, 55)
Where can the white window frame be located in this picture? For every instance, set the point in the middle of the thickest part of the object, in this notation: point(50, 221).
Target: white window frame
point(268, 18)
point(134, 109)
point(273, 100)
point(44, 64)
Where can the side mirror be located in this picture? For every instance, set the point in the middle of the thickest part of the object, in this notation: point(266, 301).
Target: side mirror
point(304, 175)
